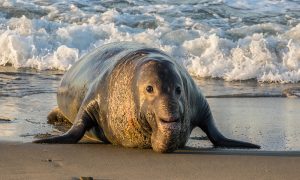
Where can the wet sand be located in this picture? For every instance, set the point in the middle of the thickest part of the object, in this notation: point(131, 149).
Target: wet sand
point(100, 161)
point(272, 122)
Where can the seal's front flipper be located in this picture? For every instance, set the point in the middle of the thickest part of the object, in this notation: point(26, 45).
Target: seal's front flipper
point(220, 141)
point(82, 123)
point(206, 123)
point(72, 136)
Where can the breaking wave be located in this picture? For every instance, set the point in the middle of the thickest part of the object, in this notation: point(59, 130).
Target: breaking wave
point(231, 40)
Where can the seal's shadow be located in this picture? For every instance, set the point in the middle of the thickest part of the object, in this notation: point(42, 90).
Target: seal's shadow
point(235, 152)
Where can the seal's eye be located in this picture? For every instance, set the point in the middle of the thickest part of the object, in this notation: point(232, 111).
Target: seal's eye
point(149, 89)
point(178, 90)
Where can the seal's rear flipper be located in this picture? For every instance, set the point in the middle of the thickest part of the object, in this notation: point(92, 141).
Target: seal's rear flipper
point(220, 141)
point(56, 116)
point(72, 136)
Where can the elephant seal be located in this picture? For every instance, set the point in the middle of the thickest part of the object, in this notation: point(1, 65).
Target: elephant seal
point(136, 96)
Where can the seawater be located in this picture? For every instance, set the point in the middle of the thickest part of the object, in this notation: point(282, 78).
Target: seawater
point(231, 40)
point(241, 52)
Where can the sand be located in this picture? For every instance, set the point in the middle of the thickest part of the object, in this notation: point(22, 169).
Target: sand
point(101, 161)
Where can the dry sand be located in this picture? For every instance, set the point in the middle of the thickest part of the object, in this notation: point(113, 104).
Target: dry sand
point(100, 161)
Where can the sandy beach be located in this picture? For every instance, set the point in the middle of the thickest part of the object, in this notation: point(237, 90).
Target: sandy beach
point(271, 122)
point(250, 119)
point(100, 161)
point(243, 55)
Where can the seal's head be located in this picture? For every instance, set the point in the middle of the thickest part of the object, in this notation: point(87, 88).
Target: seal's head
point(160, 92)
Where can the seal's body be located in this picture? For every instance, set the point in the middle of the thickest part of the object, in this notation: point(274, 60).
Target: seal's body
point(135, 96)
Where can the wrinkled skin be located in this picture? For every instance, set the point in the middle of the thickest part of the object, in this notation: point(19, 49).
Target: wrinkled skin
point(131, 95)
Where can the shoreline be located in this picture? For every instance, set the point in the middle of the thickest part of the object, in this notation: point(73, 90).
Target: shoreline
point(102, 161)
point(270, 122)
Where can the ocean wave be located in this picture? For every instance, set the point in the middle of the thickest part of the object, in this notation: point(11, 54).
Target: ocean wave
point(54, 35)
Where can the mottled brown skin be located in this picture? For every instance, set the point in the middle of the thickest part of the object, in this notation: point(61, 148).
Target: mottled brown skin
point(131, 95)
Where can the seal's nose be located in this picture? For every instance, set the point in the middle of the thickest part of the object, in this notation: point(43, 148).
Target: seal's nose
point(167, 109)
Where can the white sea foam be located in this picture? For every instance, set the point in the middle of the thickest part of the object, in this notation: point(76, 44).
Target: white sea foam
point(54, 35)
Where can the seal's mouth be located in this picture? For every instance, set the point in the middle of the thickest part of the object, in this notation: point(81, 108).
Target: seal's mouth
point(169, 120)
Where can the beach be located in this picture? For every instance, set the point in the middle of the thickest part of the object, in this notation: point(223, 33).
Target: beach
point(100, 161)
point(255, 120)
point(270, 121)
point(243, 55)
point(246, 111)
